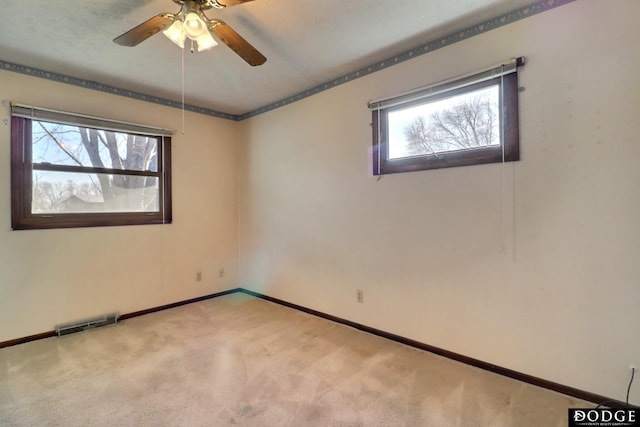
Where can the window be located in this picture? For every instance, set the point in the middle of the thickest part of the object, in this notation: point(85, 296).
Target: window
point(465, 121)
point(70, 170)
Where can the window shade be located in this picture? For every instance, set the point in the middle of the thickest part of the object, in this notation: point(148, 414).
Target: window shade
point(507, 67)
point(48, 115)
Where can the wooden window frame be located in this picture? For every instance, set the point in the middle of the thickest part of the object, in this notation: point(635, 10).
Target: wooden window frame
point(22, 168)
point(510, 140)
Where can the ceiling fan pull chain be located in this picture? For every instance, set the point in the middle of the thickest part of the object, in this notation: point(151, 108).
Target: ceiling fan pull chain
point(192, 49)
point(182, 85)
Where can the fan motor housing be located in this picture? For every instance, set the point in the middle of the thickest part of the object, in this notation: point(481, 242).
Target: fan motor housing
point(204, 4)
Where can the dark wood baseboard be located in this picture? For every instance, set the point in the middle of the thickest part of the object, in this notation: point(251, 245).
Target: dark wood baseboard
point(30, 338)
point(50, 334)
point(550, 385)
point(177, 304)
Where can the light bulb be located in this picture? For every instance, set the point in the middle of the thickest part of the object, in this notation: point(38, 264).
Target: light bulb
point(194, 26)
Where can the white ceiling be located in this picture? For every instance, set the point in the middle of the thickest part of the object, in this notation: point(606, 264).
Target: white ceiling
point(306, 42)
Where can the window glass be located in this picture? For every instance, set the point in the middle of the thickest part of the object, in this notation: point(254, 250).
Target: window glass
point(462, 122)
point(72, 192)
point(61, 144)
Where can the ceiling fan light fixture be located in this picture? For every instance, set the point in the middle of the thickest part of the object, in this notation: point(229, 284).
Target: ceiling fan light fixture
point(176, 33)
point(192, 23)
point(205, 42)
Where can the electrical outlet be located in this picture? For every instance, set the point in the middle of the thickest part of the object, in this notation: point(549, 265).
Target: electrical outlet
point(360, 296)
point(199, 276)
point(221, 272)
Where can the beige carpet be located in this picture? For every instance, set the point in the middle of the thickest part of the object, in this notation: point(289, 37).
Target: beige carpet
point(241, 361)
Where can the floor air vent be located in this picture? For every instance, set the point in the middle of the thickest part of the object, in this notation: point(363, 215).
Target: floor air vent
point(83, 325)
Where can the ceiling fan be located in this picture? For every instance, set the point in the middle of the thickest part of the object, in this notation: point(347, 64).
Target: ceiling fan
point(191, 24)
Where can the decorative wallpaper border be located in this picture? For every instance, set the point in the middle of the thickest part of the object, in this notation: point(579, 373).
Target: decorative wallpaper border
point(458, 36)
point(61, 78)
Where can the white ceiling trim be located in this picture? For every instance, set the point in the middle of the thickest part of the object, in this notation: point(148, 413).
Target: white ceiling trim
point(458, 36)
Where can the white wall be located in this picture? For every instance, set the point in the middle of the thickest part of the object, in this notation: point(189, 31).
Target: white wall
point(54, 276)
point(531, 266)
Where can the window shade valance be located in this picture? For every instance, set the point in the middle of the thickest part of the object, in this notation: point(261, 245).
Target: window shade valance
point(55, 116)
point(507, 67)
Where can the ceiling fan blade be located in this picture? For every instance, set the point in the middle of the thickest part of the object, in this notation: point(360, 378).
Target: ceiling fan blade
point(148, 28)
point(228, 36)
